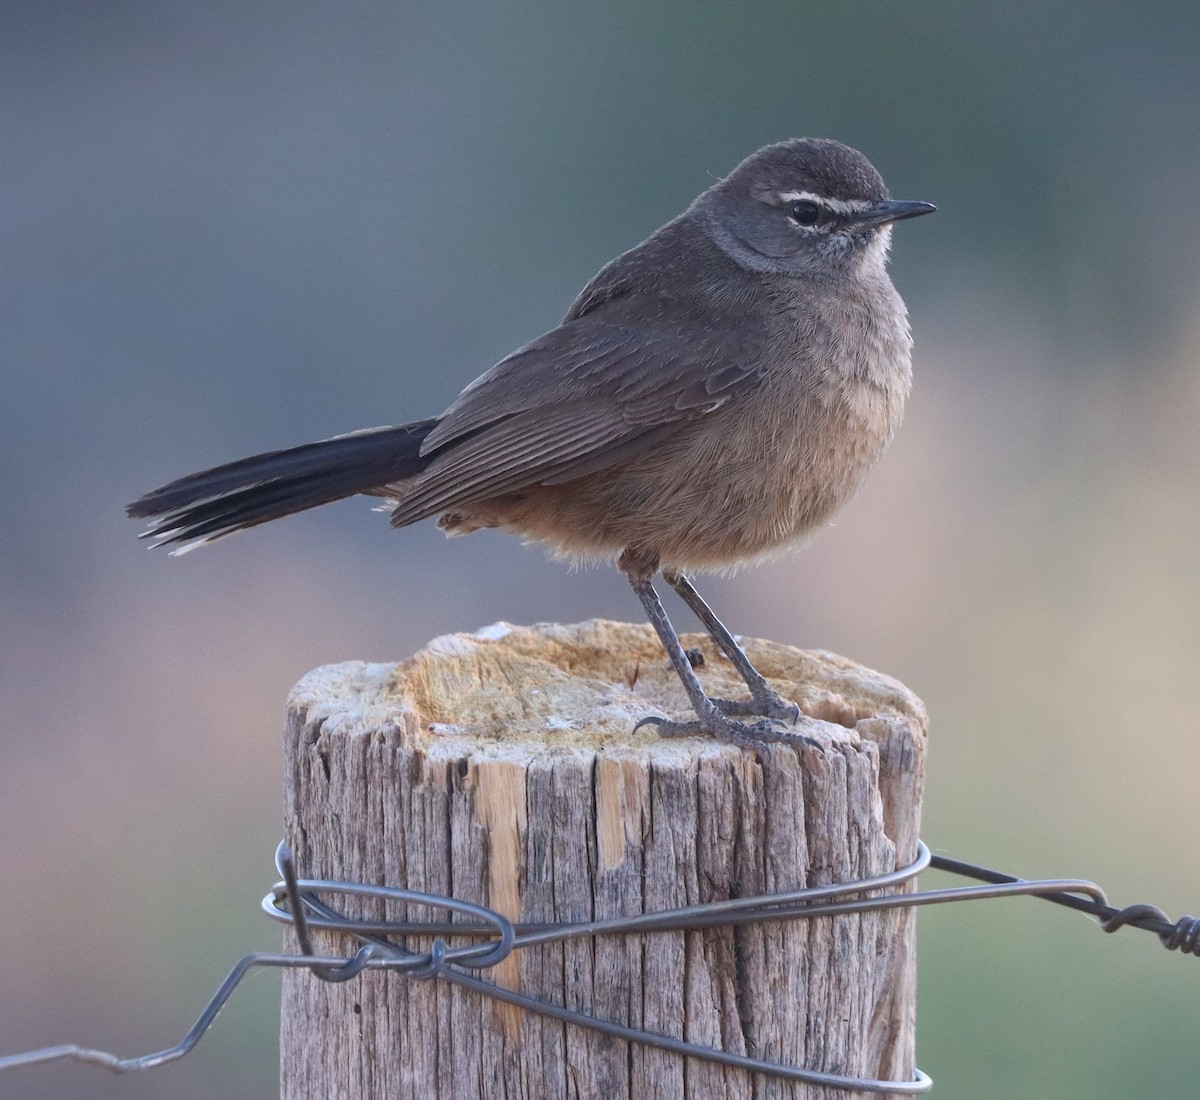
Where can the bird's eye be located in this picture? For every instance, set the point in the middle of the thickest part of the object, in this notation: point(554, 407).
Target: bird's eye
point(804, 212)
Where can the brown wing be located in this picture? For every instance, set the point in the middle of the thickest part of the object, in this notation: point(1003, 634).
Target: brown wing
point(586, 395)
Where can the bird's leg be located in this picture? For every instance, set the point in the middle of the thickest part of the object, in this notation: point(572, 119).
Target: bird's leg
point(764, 699)
point(709, 717)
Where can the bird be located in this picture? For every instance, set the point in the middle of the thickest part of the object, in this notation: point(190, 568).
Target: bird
point(710, 399)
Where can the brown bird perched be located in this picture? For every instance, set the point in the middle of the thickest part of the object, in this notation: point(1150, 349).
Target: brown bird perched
point(711, 397)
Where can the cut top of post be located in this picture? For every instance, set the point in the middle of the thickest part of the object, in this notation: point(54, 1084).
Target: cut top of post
point(586, 686)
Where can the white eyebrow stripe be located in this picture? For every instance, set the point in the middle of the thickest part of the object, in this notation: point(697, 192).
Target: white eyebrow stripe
point(838, 206)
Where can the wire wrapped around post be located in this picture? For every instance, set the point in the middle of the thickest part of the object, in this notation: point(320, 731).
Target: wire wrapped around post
point(501, 769)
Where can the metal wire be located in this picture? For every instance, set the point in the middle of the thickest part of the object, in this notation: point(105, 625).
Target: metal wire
point(492, 938)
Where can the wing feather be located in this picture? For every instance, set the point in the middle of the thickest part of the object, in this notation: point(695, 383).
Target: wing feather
point(580, 398)
point(534, 446)
point(639, 356)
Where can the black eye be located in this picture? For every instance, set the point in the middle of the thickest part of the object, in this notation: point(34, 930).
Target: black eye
point(805, 212)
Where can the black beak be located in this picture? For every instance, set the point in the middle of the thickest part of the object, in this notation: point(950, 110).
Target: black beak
point(891, 210)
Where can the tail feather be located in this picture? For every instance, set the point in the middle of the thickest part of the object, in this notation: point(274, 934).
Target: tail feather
point(206, 506)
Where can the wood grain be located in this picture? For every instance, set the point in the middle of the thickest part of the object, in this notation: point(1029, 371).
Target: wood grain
point(500, 768)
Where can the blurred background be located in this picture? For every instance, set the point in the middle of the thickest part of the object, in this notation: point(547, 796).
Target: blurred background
point(227, 228)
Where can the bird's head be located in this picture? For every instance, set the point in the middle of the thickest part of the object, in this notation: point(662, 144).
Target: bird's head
point(803, 207)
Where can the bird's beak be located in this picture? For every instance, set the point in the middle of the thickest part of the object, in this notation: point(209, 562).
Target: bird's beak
point(891, 210)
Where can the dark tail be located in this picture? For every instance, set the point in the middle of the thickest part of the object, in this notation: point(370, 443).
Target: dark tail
point(203, 507)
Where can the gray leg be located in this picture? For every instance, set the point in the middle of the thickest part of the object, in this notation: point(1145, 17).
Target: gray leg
point(709, 716)
point(764, 699)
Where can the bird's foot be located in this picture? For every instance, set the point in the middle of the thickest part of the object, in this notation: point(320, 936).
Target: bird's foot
point(750, 735)
point(768, 703)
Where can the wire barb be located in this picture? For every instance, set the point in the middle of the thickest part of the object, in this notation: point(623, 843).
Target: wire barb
point(491, 938)
point(1182, 936)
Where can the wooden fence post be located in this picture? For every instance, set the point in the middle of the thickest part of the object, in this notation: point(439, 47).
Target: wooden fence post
point(500, 768)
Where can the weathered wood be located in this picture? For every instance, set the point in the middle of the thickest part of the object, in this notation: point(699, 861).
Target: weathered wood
point(501, 768)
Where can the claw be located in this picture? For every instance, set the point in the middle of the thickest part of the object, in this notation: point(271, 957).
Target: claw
point(756, 735)
point(650, 720)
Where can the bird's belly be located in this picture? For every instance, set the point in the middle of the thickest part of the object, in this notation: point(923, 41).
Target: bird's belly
point(738, 486)
point(770, 480)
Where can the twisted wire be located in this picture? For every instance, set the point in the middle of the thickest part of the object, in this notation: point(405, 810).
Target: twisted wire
point(491, 938)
